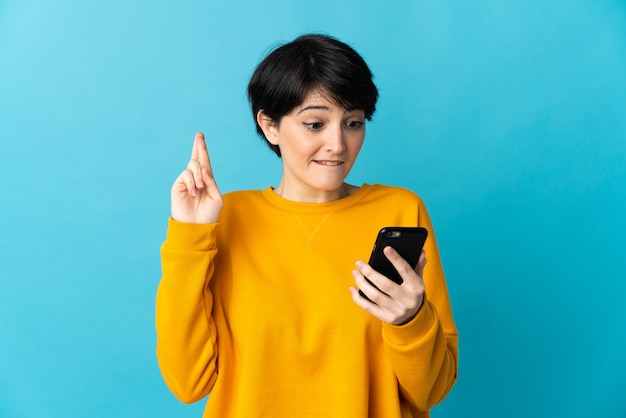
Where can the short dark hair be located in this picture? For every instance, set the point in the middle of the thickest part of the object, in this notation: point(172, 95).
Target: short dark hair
point(311, 62)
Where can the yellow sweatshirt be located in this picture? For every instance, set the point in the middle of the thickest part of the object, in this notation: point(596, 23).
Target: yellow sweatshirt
point(256, 311)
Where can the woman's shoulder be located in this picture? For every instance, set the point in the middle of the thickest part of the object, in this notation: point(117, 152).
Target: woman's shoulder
point(240, 208)
point(241, 202)
point(395, 192)
point(242, 195)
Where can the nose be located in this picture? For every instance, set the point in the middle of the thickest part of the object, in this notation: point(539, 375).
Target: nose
point(335, 141)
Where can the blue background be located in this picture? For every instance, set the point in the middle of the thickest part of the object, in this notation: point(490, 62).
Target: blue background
point(509, 118)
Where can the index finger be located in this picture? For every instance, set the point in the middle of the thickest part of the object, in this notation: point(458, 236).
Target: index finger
point(399, 263)
point(199, 151)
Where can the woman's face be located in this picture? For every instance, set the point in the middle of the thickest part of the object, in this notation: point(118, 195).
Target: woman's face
point(319, 142)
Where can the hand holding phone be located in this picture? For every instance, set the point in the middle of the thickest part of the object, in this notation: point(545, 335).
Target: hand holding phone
point(408, 243)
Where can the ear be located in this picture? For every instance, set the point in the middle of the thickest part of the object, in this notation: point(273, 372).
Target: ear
point(269, 127)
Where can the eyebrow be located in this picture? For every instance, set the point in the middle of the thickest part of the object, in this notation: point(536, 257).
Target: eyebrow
point(322, 107)
point(313, 107)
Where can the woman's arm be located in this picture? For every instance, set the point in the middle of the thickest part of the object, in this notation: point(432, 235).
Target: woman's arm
point(423, 355)
point(424, 351)
point(418, 329)
point(186, 334)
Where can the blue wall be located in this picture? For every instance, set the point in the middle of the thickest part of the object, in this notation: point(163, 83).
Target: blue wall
point(509, 118)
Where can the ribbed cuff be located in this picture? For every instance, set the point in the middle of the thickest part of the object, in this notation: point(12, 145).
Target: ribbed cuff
point(190, 237)
point(413, 330)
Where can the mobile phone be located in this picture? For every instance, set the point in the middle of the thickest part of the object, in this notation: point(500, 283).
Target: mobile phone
point(407, 241)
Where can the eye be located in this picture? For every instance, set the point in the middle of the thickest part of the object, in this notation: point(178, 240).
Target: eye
point(354, 124)
point(314, 126)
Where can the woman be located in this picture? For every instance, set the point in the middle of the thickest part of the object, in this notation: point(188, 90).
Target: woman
point(258, 304)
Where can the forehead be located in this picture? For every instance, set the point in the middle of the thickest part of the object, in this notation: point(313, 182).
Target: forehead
point(317, 97)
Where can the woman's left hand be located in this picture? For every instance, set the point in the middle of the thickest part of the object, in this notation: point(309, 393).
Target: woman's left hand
point(393, 303)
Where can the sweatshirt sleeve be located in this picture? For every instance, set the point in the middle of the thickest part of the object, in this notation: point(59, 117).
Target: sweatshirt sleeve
point(424, 352)
point(186, 334)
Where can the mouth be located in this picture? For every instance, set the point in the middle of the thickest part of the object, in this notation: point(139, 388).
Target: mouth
point(329, 163)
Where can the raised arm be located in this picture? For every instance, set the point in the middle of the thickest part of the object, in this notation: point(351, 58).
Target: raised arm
point(186, 333)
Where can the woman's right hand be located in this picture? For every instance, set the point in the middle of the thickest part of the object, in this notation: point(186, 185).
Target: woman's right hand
point(195, 196)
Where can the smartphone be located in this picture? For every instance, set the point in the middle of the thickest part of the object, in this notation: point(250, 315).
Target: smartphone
point(407, 241)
